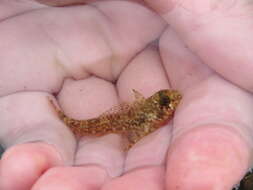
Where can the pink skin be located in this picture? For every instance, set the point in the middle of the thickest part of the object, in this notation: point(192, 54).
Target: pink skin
point(209, 146)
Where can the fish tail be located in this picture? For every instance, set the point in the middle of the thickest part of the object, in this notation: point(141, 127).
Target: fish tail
point(83, 127)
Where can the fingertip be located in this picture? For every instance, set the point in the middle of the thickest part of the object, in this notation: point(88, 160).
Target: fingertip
point(208, 158)
point(89, 177)
point(149, 178)
point(23, 164)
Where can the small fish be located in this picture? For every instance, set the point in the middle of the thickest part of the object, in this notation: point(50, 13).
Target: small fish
point(134, 120)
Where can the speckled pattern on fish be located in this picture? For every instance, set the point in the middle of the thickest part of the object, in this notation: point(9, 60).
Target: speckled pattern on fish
point(134, 120)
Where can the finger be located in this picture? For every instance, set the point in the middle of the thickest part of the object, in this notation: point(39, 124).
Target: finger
point(37, 138)
point(75, 178)
point(82, 100)
point(212, 128)
point(94, 40)
point(219, 32)
point(152, 178)
point(25, 163)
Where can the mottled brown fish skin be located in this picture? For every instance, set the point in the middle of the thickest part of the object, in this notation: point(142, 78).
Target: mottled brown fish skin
point(135, 121)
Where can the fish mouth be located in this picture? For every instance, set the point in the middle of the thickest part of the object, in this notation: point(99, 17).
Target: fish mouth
point(175, 97)
point(174, 105)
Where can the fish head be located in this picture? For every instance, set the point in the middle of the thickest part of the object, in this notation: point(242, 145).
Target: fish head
point(169, 99)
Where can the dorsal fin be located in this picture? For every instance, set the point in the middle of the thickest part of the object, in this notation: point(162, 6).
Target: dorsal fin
point(124, 106)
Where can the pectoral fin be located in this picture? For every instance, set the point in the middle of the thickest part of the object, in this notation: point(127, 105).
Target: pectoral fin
point(138, 96)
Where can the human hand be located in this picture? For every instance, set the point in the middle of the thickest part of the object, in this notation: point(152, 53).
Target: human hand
point(41, 46)
point(67, 57)
point(218, 34)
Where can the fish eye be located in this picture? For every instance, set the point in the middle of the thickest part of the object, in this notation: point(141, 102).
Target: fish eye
point(164, 100)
